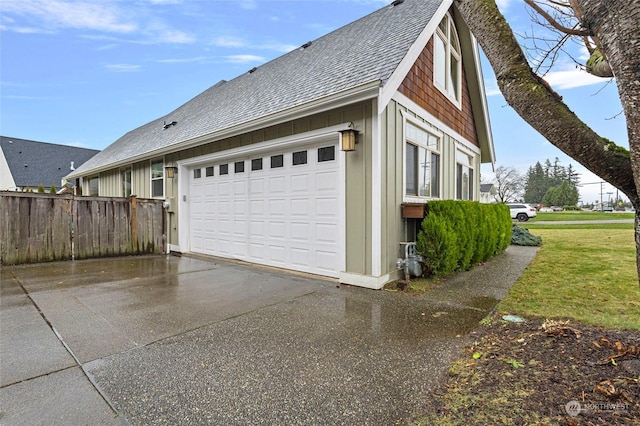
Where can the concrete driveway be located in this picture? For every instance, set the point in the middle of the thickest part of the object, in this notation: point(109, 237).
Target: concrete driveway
point(179, 340)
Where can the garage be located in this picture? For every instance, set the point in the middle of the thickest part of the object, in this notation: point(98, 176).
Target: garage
point(279, 208)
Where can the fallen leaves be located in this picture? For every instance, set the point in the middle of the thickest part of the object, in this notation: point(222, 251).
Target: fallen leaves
point(621, 349)
point(558, 328)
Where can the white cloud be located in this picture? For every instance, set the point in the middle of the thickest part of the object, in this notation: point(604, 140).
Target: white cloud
point(76, 14)
point(229, 41)
point(181, 60)
point(503, 5)
point(248, 4)
point(123, 67)
point(570, 79)
point(242, 59)
point(103, 16)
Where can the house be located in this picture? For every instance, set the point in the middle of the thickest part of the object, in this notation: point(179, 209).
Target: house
point(26, 164)
point(487, 193)
point(317, 160)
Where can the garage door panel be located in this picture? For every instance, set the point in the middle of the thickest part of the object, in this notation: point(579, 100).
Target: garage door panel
point(326, 233)
point(326, 260)
point(277, 207)
point(277, 185)
point(223, 189)
point(256, 187)
point(299, 183)
point(300, 257)
point(240, 188)
point(299, 207)
point(327, 181)
point(300, 232)
point(286, 216)
point(326, 208)
point(278, 231)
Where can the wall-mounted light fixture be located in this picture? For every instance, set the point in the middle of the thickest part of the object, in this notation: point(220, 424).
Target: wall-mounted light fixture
point(349, 138)
point(172, 171)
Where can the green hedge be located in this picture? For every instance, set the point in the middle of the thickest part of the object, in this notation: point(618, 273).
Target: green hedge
point(456, 235)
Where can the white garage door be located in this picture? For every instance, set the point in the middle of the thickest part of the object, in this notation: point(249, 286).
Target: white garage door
point(279, 209)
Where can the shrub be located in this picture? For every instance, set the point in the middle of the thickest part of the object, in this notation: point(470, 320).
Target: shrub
point(456, 235)
point(437, 244)
point(522, 237)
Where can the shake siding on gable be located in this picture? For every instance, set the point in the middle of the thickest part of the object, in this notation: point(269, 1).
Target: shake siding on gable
point(418, 86)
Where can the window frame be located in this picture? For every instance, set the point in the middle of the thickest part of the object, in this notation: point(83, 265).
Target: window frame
point(454, 94)
point(129, 171)
point(460, 167)
point(429, 152)
point(156, 178)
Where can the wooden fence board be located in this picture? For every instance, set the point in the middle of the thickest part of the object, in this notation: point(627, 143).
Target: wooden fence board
point(44, 227)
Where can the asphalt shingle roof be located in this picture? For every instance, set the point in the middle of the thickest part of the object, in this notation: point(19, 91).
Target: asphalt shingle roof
point(33, 163)
point(365, 51)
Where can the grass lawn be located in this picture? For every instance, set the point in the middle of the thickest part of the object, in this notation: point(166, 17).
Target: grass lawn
point(584, 273)
point(581, 215)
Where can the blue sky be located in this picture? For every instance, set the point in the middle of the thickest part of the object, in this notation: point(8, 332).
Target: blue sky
point(85, 72)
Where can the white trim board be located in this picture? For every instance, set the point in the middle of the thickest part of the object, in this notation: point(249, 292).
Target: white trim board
point(420, 112)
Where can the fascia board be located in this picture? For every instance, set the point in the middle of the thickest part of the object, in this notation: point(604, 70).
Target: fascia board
point(353, 95)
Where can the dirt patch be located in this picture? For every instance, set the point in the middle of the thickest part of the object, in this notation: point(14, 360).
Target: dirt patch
point(526, 374)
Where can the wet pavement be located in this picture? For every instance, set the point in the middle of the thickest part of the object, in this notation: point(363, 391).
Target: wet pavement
point(180, 340)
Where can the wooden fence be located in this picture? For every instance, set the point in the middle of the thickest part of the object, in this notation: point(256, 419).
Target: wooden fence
point(42, 227)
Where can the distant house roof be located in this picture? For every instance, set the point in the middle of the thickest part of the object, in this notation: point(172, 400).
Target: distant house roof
point(487, 188)
point(365, 52)
point(33, 163)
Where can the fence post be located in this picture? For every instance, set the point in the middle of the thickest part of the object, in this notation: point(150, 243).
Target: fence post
point(74, 220)
point(134, 224)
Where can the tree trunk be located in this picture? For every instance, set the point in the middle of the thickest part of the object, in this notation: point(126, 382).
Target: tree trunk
point(615, 23)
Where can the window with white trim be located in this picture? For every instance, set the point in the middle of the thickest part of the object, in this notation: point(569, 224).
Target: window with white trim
point(126, 182)
point(422, 163)
point(157, 179)
point(447, 60)
point(464, 176)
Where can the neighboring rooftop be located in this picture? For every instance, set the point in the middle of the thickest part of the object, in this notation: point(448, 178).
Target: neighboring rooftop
point(365, 52)
point(32, 163)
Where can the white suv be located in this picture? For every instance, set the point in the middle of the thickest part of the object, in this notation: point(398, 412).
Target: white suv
point(522, 212)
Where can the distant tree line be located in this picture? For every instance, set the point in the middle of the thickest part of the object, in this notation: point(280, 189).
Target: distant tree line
point(552, 184)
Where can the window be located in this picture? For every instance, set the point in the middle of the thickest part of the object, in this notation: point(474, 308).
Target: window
point(256, 164)
point(126, 182)
point(197, 173)
point(464, 176)
point(238, 167)
point(299, 157)
point(447, 63)
point(94, 186)
point(422, 155)
point(327, 153)
point(209, 171)
point(277, 161)
point(224, 169)
point(157, 179)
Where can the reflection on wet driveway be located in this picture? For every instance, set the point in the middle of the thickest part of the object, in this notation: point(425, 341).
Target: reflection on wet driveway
point(191, 341)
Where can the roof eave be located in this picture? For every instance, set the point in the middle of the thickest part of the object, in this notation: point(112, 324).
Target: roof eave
point(475, 81)
point(362, 92)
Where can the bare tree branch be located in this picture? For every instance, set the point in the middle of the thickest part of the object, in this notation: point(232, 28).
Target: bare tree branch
point(553, 22)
